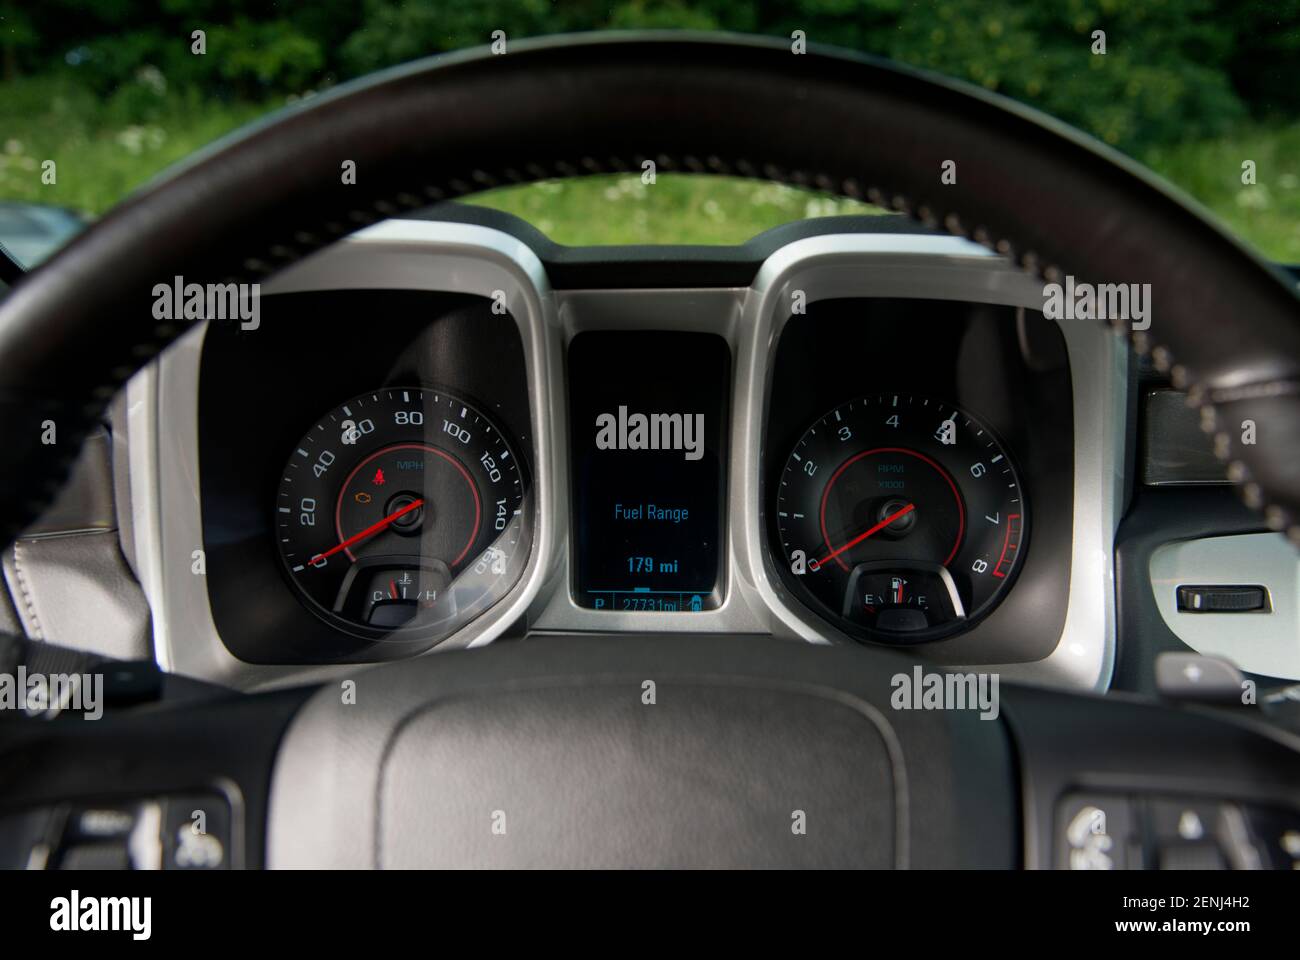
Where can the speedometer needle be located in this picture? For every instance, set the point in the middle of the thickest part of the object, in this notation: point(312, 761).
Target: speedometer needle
point(368, 532)
point(862, 536)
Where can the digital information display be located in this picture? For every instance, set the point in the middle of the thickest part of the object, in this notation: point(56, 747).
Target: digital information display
point(648, 413)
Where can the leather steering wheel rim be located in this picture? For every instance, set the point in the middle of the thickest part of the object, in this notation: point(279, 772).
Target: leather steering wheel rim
point(1223, 322)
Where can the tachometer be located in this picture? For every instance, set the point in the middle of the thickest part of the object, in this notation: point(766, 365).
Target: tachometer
point(902, 516)
point(401, 513)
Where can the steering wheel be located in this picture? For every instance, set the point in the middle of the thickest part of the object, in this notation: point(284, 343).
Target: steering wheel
point(556, 740)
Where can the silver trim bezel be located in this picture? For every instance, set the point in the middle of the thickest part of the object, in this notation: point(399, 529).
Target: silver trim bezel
point(396, 254)
point(716, 311)
point(949, 268)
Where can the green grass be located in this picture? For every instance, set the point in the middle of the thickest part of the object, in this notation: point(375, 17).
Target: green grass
point(1266, 214)
point(676, 208)
point(104, 149)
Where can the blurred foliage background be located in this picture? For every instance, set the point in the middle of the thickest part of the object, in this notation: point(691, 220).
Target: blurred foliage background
point(1192, 88)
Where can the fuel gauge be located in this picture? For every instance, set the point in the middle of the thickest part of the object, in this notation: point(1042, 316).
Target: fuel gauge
point(882, 595)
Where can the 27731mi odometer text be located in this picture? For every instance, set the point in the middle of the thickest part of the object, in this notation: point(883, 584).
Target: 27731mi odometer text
point(400, 512)
point(902, 517)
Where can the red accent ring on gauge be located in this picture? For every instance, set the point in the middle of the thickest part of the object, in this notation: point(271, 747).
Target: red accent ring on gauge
point(469, 482)
point(961, 511)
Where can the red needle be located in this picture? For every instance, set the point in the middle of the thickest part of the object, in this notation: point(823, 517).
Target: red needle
point(862, 536)
point(369, 531)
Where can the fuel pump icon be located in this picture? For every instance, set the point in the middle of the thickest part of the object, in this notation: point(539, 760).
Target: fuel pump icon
point(696, 604)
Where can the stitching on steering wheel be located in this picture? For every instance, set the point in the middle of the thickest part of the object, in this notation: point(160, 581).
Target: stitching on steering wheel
point(29, 599)
point(305, 241)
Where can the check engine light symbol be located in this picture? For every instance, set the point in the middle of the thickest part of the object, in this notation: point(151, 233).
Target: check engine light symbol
point(379, 477)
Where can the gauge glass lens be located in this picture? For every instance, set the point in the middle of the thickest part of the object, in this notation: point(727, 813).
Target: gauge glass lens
point(402, 514)
point(902, 517)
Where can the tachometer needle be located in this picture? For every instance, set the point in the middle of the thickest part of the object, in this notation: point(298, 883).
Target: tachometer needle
point(368, 532)
point(862, 536)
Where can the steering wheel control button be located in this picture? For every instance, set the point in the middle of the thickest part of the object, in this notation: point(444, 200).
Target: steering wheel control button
point(101, 823)
point(1115, 832)
point(1248, 599)
point(1097, 832)
point(1189, 834)
point(182, 832)
point(196, 833)
point(1199, 834)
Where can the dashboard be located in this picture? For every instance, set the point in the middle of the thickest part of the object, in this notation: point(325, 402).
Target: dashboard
point(443, 434)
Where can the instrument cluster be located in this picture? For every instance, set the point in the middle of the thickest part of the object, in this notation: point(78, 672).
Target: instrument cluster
point(368, 476)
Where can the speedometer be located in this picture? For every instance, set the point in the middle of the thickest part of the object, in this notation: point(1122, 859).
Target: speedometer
point(401, 514)
point(902, 517)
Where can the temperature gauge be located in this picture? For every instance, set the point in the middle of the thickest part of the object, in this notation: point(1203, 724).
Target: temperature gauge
point(386, 592)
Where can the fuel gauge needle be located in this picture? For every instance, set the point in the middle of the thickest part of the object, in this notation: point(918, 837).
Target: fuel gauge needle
point(370, 531)
point(904, 511)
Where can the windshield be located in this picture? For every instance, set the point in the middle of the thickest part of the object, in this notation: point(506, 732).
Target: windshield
point(99, 97)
